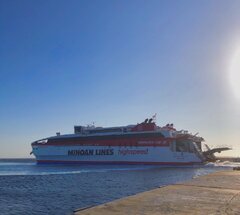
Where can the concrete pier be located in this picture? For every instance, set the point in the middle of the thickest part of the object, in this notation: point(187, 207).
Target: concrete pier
point(216, 193)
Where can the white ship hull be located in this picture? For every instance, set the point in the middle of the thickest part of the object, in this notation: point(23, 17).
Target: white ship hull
point(113, 155)
point(144, 143)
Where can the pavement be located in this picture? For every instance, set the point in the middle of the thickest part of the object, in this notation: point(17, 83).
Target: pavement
point(217, 193)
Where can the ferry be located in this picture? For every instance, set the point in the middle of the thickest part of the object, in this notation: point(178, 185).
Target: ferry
point(142, 144)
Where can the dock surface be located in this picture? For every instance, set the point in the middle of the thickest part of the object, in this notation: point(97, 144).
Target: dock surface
point(216, 193)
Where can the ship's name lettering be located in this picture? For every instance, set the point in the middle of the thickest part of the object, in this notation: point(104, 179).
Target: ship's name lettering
point(133, 152)
point(83, 152)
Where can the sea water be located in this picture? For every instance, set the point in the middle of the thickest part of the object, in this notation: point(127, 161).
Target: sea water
point(27, 188)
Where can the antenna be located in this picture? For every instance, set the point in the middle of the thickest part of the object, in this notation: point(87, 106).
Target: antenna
point(154, 117)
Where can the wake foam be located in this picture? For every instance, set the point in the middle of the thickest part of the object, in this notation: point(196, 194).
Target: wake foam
point(223, 164)
point(40, 170)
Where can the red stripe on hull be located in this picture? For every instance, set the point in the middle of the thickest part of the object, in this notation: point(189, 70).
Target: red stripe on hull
point(117, 162)
point(156, 141)
point(106, 144)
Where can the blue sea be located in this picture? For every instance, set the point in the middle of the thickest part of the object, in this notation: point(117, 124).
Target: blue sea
point(27, 188)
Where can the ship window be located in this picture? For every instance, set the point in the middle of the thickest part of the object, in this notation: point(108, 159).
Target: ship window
point(172, 146)
point(105, 130)
point(182, 146)
point(42, 141)
point(78, 129)
point(191, 147)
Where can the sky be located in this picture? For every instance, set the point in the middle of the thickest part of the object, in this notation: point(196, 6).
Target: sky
point(66, 63)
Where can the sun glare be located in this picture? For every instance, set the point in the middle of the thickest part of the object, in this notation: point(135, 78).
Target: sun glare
point(235, 73)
